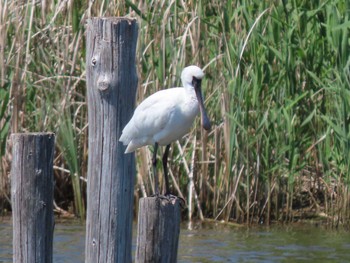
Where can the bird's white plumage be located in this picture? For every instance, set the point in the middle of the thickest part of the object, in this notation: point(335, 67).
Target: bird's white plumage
point(165, 116)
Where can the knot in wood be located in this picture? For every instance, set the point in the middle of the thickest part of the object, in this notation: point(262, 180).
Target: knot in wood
point(103, 83)
point(93, 242)
point(93, 61)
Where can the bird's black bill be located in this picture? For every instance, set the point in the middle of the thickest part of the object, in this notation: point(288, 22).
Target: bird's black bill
point(204, 117)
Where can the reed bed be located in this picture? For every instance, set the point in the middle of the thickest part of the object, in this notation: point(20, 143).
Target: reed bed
point(277, 91)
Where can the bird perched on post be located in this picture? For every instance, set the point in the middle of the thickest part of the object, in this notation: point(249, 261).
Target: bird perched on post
point(166, 116)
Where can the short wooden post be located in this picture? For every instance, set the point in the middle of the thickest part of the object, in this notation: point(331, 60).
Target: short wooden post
point(111, 86)
point(32, 197)
point(158, 230)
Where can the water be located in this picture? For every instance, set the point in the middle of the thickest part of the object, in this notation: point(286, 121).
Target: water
point(217, 243)
point(258, 244)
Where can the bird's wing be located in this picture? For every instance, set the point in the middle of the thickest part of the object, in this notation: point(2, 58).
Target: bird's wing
point(151, 116)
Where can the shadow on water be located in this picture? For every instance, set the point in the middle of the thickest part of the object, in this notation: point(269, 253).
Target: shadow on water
point(216, 243)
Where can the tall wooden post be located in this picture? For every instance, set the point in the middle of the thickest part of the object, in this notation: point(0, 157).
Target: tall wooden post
point(32, 197)
point(111, 87)
point(158, 230)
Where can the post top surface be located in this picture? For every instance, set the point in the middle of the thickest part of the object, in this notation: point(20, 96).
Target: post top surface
point(115, 19)
point(28, 134)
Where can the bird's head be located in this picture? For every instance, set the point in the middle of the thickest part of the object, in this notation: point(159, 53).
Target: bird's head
point(191, 76)
point(189, 73)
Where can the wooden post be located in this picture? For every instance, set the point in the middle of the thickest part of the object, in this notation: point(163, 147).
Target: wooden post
point(158, 230)
point(111, 86)
point(32, 197)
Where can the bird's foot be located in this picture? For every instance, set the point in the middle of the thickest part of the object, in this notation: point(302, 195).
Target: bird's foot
point(164, 197)
point(182, 201)
point(171, 197)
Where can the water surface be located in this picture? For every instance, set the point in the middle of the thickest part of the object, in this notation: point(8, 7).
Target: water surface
point(216, 243)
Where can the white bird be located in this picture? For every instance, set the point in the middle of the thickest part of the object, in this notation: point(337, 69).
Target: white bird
point(166, 116)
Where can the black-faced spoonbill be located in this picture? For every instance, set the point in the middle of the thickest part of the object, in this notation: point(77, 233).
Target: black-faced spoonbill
point(166, 116)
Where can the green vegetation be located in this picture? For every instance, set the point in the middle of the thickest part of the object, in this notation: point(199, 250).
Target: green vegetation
point(277, 90)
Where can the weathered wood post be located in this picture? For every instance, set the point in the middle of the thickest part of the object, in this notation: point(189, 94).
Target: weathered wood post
point(158, 230)
point(32, 197)
point(111, 88)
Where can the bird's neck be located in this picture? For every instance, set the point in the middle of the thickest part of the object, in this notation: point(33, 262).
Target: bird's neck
point(189, 88)
point(190, 92)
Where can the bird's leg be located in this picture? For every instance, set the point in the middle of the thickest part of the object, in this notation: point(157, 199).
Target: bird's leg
point(154, 163)
point(165, 168)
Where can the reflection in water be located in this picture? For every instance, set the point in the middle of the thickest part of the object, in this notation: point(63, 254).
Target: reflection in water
point(217, 243)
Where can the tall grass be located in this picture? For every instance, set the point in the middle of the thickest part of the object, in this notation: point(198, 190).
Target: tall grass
point(276, 87)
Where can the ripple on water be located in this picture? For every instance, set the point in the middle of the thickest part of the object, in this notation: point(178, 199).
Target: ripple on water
point(216, 243)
